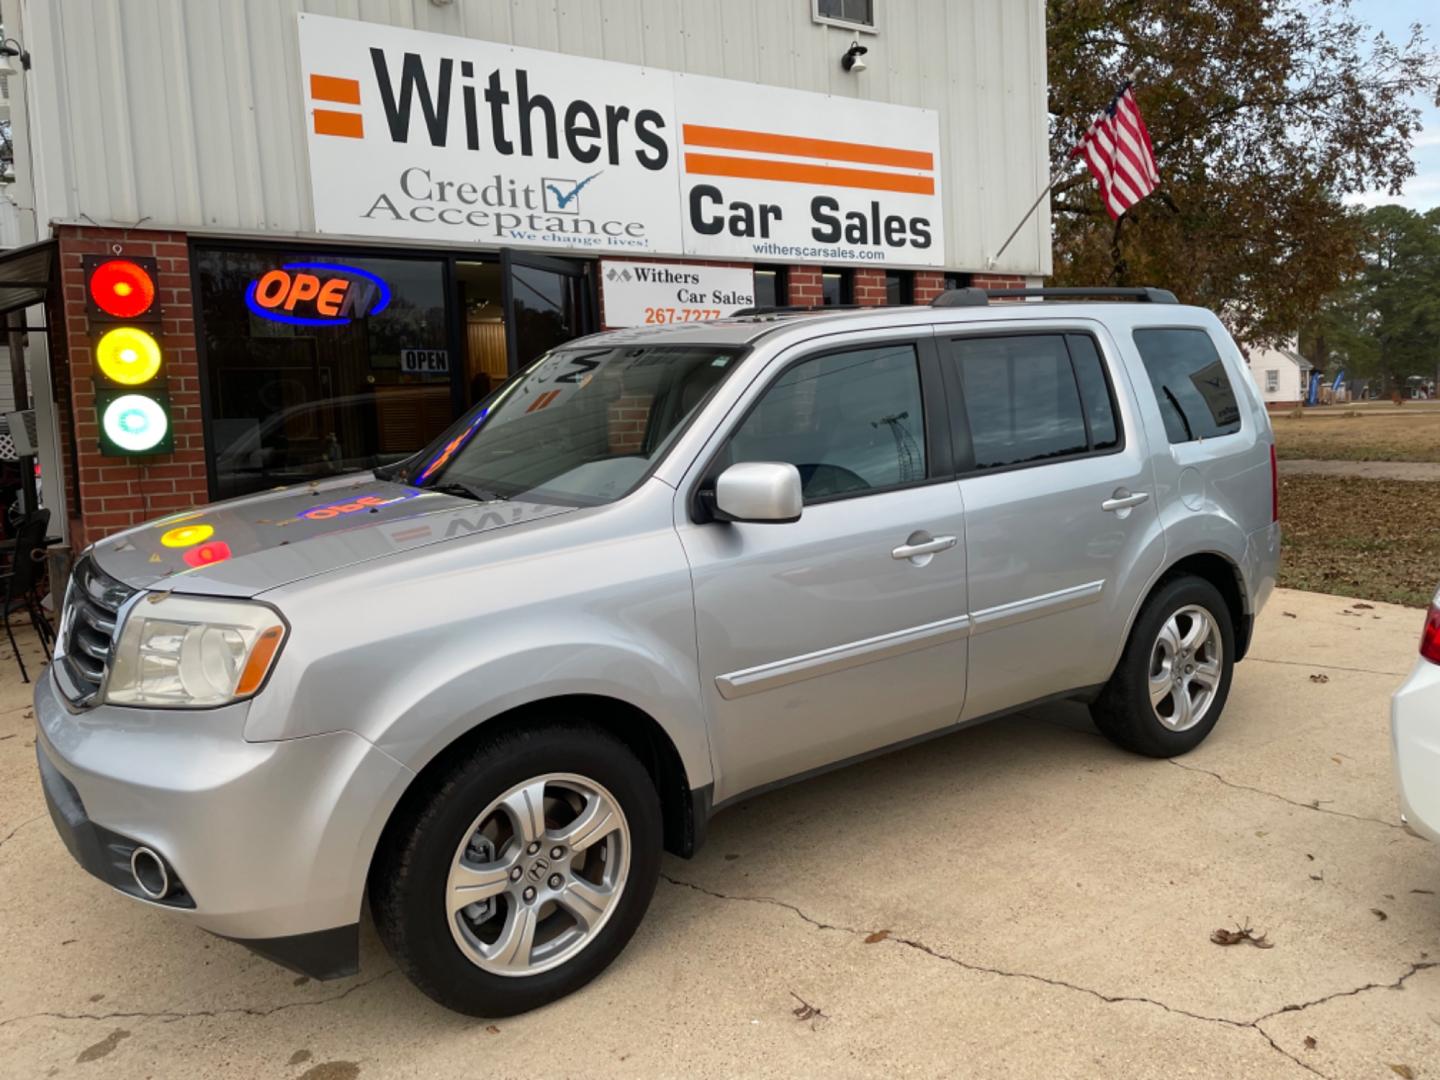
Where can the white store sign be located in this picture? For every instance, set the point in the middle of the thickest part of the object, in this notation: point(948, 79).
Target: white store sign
point(654, 294)
point(420, 136)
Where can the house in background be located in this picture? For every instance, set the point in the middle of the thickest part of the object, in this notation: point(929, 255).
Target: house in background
point(1281, 375)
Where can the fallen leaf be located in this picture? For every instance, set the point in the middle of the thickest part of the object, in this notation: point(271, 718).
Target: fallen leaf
point(491, 1029)
point(1423, 892)
point(1320, 678)
point(1289, 614)
point(805, 1011)
point(1403, 1070)
point(1317, 877)
point(1309, 856)
point(1240, 934)
point(1336, 758)
point(1310, 1042)
point(878, 935)
point(1379, 914)
point(1362, 605)
point(729, 858)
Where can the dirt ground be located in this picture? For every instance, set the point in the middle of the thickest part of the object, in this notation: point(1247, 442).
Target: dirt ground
point(1019, 899)
point(1380, 432)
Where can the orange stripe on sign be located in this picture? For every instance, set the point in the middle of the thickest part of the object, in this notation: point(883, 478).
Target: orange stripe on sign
point(763, 142)
point(333, 88)
point(330, 122)
point(790, 173)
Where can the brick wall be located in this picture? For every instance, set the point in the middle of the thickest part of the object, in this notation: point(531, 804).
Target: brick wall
point(115, 493)
point(928, 285)
point(869, 287)
point(804, 287)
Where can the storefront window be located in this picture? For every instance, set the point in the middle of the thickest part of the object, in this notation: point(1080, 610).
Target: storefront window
point(319, 364)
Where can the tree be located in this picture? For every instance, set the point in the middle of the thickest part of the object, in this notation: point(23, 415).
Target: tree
point(1264, 114)
point(1384, 321)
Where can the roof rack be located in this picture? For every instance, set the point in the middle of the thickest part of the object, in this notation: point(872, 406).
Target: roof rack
point(973, 297)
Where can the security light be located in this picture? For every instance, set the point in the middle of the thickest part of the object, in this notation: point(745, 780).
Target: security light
point(851, 61)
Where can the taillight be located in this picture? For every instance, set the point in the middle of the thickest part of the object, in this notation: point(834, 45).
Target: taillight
point(1274, 486)
point(1430, 636)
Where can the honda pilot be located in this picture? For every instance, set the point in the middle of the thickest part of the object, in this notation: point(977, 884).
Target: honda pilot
point(657, 572)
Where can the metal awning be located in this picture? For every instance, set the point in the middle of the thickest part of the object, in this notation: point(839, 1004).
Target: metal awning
point(26, 274)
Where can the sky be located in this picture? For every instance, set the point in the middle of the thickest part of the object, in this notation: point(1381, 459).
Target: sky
point(1394, 17)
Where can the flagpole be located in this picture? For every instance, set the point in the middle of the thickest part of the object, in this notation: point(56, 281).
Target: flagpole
point(1055, 179)
point(990, 263)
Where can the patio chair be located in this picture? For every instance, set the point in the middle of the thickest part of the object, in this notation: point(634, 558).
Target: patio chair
point(27, 566)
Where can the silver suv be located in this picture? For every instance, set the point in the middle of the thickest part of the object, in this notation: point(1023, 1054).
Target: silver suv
point(657, 572)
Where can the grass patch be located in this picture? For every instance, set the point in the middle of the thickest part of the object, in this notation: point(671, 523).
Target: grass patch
point(1371, 539)
point(1370, 433)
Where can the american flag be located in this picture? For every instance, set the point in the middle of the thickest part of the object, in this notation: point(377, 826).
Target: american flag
point(1117, 149)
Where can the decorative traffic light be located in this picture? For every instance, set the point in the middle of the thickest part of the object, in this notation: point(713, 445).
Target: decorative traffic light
point(132, 396)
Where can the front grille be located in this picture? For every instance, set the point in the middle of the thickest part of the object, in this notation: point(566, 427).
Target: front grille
point(92, 602)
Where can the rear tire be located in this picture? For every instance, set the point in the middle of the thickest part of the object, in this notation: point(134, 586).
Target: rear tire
point(1170, 686)
point(541, 925)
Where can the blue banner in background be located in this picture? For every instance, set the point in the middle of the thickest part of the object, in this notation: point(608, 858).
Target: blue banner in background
point(1314, 396)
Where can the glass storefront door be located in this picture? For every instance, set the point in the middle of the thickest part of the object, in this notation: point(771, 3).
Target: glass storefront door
point(547, 303)
point(318, 363)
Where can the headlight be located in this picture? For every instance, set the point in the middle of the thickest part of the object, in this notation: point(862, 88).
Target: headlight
point(185, 652)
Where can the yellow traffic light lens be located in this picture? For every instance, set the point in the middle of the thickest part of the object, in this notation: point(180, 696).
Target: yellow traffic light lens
point(128, 355)
point(186, 535)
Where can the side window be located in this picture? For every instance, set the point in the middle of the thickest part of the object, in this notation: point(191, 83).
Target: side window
point(1027, 401)
point(851, 422)
point(1094, 392)
point(1191, 387)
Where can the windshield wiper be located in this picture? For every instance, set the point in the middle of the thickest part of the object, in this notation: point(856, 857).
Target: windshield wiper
point(468, 491)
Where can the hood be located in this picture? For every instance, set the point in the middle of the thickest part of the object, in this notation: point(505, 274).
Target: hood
point(245, 546)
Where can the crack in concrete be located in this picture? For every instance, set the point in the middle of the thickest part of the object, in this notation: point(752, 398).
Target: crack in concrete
point(28, 821)
point(1284, 798)
point(1331, 667)
point(170, 1017)
point(1109, 999)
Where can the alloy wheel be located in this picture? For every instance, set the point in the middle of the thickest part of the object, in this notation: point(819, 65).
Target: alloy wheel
point(1186, 663)
point(538, 874)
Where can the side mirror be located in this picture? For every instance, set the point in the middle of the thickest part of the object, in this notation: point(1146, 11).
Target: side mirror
point(759, 491)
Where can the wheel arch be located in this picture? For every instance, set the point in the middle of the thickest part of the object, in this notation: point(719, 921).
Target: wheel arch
point(1220, 571)
point(684, 810)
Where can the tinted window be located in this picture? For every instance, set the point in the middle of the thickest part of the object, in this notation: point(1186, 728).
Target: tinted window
point(1191, 387)
point(1020, 399)
point(899, 287)
point(770, 287)
point(1094, 392)
point(836, 287)
point(850, 422)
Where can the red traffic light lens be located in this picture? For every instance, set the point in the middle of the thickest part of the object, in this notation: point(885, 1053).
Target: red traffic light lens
point(122, 289)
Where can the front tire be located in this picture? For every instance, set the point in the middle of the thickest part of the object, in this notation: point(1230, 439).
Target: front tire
point(524, 872)
point(1170, 686)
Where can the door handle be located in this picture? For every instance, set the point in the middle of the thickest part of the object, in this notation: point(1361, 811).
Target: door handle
point(924, 547)
point(1124, 500)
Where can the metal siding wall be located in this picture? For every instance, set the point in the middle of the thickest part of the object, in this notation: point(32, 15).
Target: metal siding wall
point(190, 113)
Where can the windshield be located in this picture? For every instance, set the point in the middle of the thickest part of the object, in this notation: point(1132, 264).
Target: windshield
point(580, 426)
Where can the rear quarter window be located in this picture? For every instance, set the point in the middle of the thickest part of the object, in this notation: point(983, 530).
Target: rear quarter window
point(1191, 385)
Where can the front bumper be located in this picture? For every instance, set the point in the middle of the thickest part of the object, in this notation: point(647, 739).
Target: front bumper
point(270, 842)
point(1415, 741)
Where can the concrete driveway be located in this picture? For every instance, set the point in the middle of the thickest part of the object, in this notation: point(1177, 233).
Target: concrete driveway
point(1019, 899)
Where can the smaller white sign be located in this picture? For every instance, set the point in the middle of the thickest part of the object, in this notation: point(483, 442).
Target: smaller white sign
point(425, 361)
point(654, 294)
